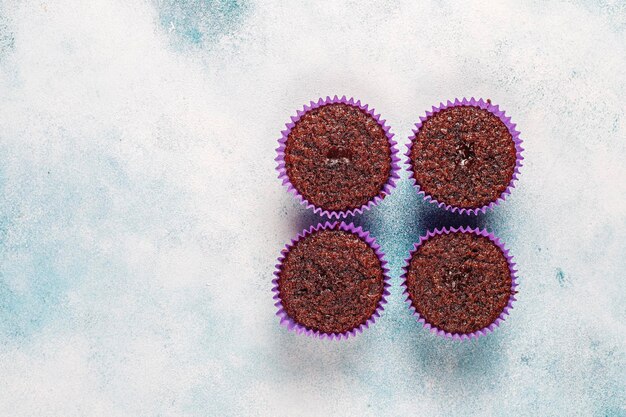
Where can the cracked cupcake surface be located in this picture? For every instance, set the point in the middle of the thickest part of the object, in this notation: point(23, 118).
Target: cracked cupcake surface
point(331, 281)
point(463, 156)
point(459, 282)
point(338, 157)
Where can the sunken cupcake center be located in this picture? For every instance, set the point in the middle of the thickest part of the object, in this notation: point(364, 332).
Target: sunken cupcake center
point(337, 155)
point(465, 152)
point(457, 279)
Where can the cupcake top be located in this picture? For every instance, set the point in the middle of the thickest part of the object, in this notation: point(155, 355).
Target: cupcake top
point(459, 282)
point(338, 157)
point(463, 156)
point(331, 281)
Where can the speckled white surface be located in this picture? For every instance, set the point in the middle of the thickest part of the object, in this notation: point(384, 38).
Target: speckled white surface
point(140, 214)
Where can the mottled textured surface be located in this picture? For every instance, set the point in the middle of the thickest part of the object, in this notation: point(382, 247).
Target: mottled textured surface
point(338, 157)
point(141, 216)
point(459, 282)
point(331, 281)
point(463, 156)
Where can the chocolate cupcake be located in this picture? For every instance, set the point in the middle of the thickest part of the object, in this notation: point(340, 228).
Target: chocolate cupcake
point(465, 156)
point(338, 157)
point(331, 281)
point(460, 282)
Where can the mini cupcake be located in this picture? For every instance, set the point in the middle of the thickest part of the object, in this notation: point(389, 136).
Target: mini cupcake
point(460, 282)
point(465, 156)
point(338, 157)
point(331, 281)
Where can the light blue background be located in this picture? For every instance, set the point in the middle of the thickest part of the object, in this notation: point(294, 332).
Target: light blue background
point(141, 216)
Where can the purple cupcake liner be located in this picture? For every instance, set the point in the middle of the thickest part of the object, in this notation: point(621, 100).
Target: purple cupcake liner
point(282, 170)
point(458, 336)
point(291, 324)
point(495, 110)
